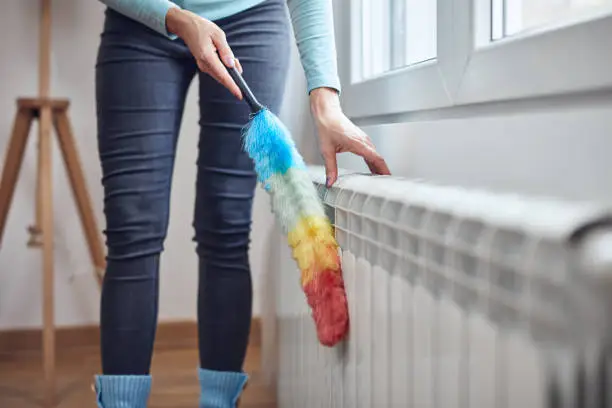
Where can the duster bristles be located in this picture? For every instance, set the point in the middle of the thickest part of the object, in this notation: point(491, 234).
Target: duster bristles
point(297, 208)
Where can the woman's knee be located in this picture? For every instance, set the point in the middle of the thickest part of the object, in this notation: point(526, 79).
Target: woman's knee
point(136, 226)
point(224, 205)
point(222, 231)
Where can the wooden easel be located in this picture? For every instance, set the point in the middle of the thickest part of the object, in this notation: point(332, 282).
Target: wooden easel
point(49, 113)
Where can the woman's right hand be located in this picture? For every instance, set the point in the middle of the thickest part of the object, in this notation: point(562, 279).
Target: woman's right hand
point(207, 44)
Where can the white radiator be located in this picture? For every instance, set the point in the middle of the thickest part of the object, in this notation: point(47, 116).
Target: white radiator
point(457, 299)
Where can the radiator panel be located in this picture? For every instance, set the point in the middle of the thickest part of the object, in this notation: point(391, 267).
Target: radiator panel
point(458, 298)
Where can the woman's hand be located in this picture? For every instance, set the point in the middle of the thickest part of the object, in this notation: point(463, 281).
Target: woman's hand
point(337, 134)
point(207, 44)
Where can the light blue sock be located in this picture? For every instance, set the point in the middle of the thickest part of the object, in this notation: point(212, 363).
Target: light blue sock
point(220, 389)
point(123, 391)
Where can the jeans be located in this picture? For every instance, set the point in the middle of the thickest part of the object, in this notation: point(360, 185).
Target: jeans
point(141, 82)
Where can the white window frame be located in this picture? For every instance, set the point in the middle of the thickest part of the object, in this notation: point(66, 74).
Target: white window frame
point(469, 69)
point(406, 89)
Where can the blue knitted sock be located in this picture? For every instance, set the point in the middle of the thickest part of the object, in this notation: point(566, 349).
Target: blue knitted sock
point(123, 391)
point(220, 389)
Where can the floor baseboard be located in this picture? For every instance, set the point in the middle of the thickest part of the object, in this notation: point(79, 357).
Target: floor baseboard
point(178, 334)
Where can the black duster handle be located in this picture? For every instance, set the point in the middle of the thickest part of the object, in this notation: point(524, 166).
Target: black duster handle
point(247, 94)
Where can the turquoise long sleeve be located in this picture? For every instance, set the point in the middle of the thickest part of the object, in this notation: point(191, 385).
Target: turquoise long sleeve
point(312, 24)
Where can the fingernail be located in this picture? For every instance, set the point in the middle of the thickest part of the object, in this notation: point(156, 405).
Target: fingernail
point(327, 182)
point(230, 62)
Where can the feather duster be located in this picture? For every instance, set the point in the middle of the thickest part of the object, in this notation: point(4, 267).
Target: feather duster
point(282, 172)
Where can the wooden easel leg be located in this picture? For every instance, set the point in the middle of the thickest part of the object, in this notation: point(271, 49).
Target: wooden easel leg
point(12, 162)
point(35, 229)
point(79, 188)
point(46, 219)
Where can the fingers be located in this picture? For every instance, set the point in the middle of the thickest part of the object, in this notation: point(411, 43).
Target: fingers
point(239, 66)
point(216, 69)
point(379, 167)
point(375, 161)
point(210, 62)
point(331, 167)
point(223, 49)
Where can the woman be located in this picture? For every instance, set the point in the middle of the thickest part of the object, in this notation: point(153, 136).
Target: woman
point(149, 53)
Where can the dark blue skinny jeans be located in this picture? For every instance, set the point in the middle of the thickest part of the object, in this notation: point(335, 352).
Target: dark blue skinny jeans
point(141, 83)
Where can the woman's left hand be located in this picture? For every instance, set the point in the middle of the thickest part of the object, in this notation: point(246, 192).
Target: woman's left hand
point(337, 134)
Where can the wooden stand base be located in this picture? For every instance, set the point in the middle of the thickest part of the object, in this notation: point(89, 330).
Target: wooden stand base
point(51, 113)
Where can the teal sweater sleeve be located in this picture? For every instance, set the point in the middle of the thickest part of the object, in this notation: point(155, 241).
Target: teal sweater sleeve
point(312, 24)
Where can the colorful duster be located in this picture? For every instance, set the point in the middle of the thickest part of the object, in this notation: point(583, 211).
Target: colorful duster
point(296, 205)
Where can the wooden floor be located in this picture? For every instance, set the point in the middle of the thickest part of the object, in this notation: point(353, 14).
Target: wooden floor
point(174, 380)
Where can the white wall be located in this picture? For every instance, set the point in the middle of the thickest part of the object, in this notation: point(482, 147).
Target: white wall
point(76, 29)
point(540, 148)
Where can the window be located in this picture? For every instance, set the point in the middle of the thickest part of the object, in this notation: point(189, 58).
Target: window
point(511, 17)
point(388, 55)
point(401, 56)
point(394, 34)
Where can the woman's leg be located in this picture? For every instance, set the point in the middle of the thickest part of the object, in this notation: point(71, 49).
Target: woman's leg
point(141, 83)
point(226, 181)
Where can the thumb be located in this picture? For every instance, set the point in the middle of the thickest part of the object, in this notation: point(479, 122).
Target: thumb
point(331, 168)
